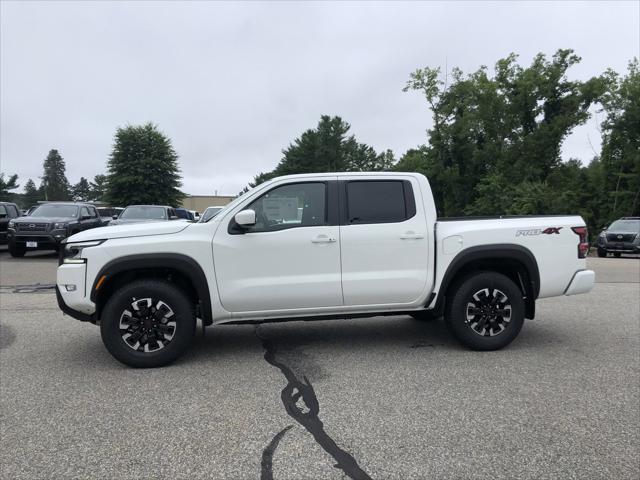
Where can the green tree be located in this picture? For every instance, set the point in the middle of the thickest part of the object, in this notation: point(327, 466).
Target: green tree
point(620, 157)
point(98, 188)
point(55, 185)
point(6, 185)
point(327, 148)
point(31, 194)
point(81, 191)
point(497, 138)
point(143, 168)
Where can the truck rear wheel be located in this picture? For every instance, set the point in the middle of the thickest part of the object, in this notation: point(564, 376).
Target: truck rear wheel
point(485, 311)
point(148, 323)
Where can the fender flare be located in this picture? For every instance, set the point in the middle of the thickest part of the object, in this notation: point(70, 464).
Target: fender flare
point(501, 251)
point(184, 264)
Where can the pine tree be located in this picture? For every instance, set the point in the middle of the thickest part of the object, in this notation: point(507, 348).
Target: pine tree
point(328, 149)
point(6, 185)
point(81, 191)
point(55, 185)
point(98, 188)
point(143, 168)
point(31, 194)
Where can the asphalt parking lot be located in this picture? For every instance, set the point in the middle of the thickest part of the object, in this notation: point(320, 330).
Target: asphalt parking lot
point(396, 398)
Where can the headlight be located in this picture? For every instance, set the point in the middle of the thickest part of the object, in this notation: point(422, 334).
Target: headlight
point(59, 226)
point(73, 251)
point(603, 234)
point(11, 224)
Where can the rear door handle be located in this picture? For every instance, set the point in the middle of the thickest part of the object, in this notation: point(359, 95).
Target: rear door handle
point(323, 239)
point(411, 236)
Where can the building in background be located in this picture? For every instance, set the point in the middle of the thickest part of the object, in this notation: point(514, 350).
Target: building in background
point(199, 203)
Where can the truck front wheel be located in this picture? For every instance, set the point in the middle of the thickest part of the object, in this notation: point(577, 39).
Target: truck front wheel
point(485, 311)
point(16, 252)
point(148, 323)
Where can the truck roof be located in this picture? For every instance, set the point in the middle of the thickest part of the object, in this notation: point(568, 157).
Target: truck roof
point(348, 174)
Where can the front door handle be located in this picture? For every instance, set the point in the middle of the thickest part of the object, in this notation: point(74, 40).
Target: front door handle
point(323, 239)
point(411, 236)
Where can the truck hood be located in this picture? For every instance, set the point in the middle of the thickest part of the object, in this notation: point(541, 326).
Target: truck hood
point(134, 230)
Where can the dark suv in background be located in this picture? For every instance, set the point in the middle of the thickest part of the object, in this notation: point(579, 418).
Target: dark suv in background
point(8, 211)
point(622, 236)
point(48, 225)
point(145, 213)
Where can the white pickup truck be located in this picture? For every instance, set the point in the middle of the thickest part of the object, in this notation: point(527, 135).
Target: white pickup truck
point(339, 245)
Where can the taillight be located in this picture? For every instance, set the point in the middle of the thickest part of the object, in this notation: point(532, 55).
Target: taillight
point(583, 246)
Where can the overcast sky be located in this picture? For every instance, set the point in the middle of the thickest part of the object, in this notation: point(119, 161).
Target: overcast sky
point(234, 84)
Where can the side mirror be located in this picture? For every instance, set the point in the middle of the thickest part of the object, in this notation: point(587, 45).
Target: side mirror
point(173, 217)
point(245, 218)
point(3, 215)
point(85, 217)
point(114, 217)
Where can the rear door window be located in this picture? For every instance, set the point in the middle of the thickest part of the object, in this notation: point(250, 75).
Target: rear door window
point(379, 201)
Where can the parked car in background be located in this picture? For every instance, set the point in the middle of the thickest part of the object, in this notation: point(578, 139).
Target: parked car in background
point(622, 236)
point(184, 214)
point(366, 244)
point(48, 225)
point(109, 213)
point(145, 213)
point(8, 211)
point(196, 215)
point(209, 213)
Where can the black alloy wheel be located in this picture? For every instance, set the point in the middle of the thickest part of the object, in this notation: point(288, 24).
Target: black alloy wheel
point(488, 312)
point(485, 310)
point(148, 323)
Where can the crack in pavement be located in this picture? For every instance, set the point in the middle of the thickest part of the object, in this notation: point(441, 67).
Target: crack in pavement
point(35, 288)
point(306, 414)
point(267, 454)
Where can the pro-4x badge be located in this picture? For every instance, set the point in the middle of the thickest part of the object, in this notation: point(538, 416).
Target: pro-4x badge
point(538, 231)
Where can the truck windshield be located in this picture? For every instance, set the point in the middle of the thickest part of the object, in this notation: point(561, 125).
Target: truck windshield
point(147, 213)
point(626, 226)
point(52, 210)
point(209, 213)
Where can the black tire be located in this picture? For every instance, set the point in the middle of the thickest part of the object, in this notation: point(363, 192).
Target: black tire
point(166, 310)
point(602, 252)
point(16, 252)
point(617, 254)
point(485, 311)
point(424, 315)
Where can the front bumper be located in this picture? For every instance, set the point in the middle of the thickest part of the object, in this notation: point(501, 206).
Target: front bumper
point(83, 317)
point(621, 247)
point(45, 240)
point(582, 282)
point(71, 292)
